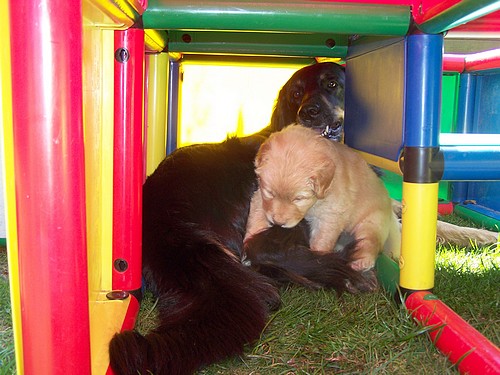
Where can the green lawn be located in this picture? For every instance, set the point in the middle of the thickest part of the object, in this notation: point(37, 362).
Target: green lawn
point(315, 332)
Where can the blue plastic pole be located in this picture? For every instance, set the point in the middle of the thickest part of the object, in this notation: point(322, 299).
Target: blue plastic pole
point(173, 104)
point(423, 93)
point(421, 146)
point(465, 117)
point(471, 163)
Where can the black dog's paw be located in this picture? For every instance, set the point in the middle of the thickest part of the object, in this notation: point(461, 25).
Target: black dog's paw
point(366, 282)
point(268, 291)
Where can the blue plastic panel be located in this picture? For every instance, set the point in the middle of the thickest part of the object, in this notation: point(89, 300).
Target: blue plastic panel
point(486, 120)
point(481, 91)
point(486, 194)
point(487, 103)
point(375, 97)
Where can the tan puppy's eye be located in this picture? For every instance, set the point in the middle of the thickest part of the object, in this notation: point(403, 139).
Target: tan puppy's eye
point(301, 198)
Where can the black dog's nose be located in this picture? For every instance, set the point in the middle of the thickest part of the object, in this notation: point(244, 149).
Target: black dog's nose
point(310, 111)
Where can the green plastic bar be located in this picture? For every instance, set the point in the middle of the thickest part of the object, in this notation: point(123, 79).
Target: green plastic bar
point(270, 44)
point(387, 273)
point(482, 219)
point(278, 16)
point(458, 14)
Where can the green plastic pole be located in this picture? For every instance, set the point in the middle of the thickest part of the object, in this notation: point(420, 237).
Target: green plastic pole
point(278, 16)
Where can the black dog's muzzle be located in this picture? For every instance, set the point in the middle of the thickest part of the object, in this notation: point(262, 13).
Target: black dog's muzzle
point(324, 117)
point(309, 112)
point(334, 132)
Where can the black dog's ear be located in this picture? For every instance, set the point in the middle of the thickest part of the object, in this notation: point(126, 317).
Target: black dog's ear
point(283, 113)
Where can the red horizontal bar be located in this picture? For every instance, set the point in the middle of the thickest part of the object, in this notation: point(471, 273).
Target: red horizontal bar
point(485, 24)
point(483, 60)
point(453, 63)
point(425, 10)
point(380, 2)
point(472, 62)
point(453, 336)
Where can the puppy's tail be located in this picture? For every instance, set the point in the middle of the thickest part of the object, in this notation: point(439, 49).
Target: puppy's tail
point(284, 255)
point(209, 306)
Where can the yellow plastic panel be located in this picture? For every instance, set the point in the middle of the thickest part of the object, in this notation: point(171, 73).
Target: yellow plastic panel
point(98, 125)
point(106, 319)
point(381, 162)
point(157, 106)
point(7, 141)
point(98, 75)
point(155, 40)
point(221, 98)
point(108, 14)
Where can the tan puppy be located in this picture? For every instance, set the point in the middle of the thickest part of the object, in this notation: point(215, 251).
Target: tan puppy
point(305, 176)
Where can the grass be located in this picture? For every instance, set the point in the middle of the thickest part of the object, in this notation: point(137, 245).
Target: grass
point(468, 281)
point(7, 361)
point(319, 333)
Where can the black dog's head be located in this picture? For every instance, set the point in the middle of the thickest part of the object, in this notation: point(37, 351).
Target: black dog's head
point(313, 97)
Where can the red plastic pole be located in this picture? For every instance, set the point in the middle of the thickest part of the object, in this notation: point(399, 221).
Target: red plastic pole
point(483, 60)
point(453, 63)
point(145, 119)
point(425, 10)
point(127, 159)
point(453, 336)
point(472, 62)
point(46, 40)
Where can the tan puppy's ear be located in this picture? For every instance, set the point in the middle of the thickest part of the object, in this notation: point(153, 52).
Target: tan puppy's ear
point(261, 157)
point(322, 177)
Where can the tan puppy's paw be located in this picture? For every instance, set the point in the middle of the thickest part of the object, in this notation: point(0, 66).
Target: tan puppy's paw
point(364, 263)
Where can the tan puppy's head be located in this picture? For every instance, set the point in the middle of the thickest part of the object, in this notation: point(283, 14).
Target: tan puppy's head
point(295, 169)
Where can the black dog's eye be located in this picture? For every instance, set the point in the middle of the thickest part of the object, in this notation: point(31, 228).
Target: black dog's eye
point(332, 84)
point(296, 94)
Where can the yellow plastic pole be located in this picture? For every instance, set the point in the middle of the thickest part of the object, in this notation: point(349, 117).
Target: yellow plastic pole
point(419, 220)
point(7, 144)
point(157, 114)
point(106, 316)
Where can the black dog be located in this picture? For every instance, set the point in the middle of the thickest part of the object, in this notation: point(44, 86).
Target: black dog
point(313, 97)
point(195, 208)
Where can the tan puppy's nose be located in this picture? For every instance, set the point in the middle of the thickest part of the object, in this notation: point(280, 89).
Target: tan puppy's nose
point(278, 221)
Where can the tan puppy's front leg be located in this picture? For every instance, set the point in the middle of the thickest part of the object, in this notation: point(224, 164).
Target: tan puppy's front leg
point(257, 220)
point(324, 236)
point(367, 251)
point(369, 244)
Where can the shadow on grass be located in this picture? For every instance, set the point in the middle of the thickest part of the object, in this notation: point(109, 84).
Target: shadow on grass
point(316, 332)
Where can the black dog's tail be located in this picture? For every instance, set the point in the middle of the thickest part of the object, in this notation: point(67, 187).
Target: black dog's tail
point(283, 255)
point(215, 307)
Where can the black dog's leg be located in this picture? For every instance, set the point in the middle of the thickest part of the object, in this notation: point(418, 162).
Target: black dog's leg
point(210, 307)
point(284, 255)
